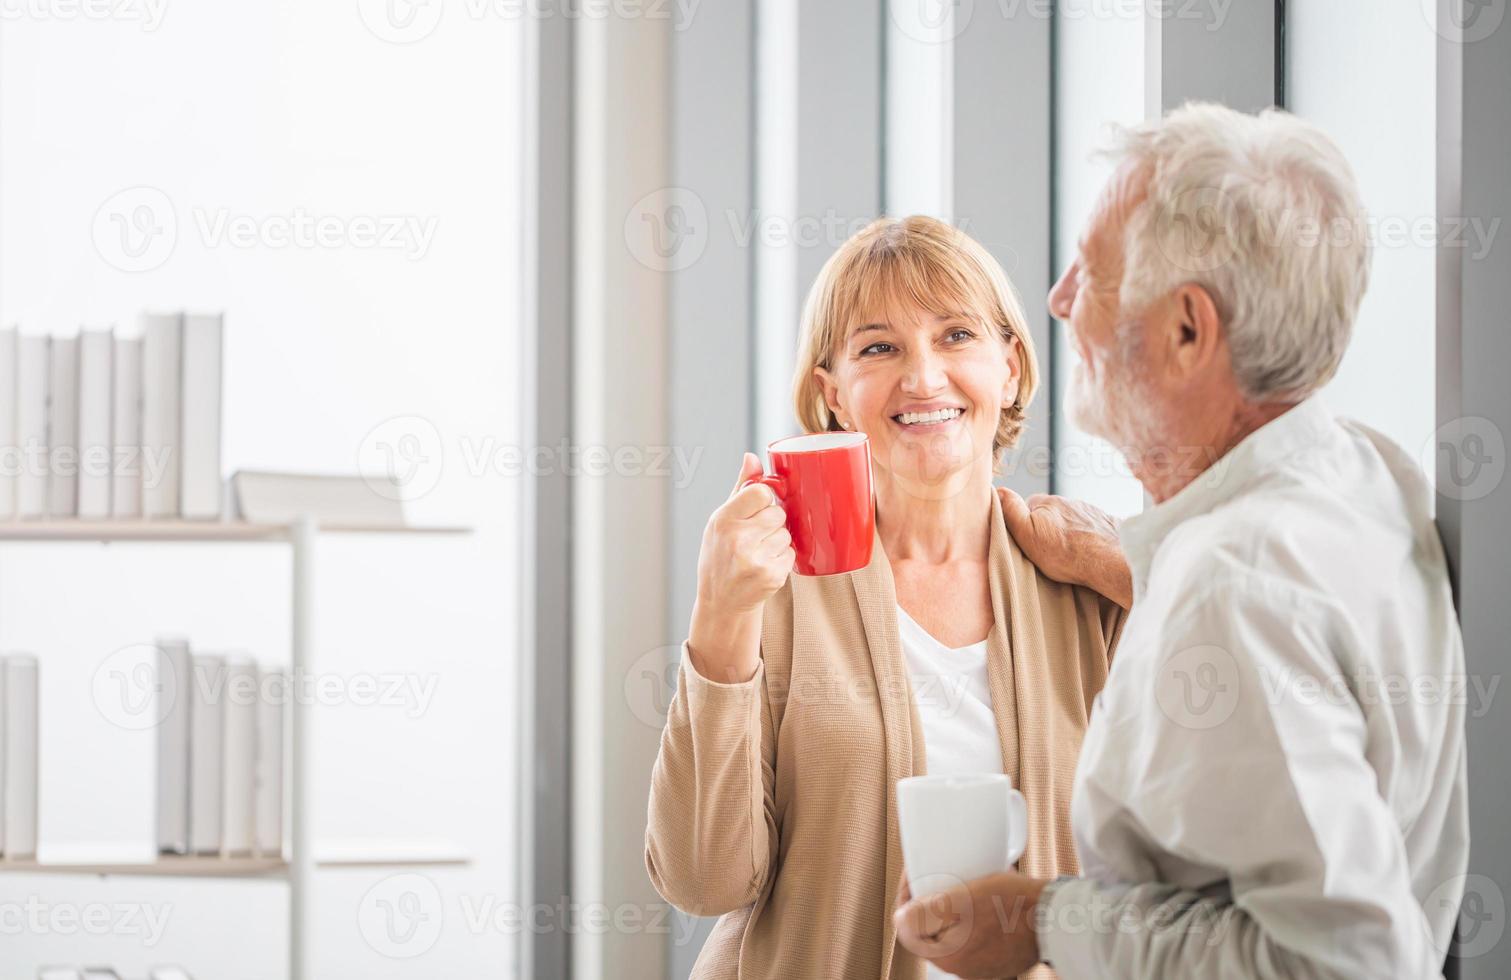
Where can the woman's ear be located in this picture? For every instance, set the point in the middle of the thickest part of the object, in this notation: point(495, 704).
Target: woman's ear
point(830, 389)
point(1014, 372)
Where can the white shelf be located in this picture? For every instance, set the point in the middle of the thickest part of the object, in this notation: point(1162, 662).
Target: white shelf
point(386, 853)
point(180, 530)
point(166, 866)
point(305, 859)
point(118, 860)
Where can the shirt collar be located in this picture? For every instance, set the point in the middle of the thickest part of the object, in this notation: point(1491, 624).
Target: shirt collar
point(1302, 426)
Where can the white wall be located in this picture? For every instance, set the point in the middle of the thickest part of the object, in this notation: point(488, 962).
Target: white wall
point(258, 111)
point(1376, 95)
point(1099, 71)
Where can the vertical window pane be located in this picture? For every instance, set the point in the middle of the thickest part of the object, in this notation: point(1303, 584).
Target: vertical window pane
point(344, 183)
point(1376, 96)
point(1099, 73)
point(776, 288)
point(919, 107)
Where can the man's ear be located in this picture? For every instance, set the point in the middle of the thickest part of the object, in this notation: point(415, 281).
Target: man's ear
point(1197, 336)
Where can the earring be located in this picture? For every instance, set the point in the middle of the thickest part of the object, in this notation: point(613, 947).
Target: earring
point(844, 423)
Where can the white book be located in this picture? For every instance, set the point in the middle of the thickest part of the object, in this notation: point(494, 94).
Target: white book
point(162, 343)
point(126, 429)
point(203, 360)
point(10, 445)
point(280, 498)
point(273, 689)
point(175, 680)
point(96, 351)
point(238, 811)
point(21, 698)
point(63, 427)
point(31, 425)
point(206, 743)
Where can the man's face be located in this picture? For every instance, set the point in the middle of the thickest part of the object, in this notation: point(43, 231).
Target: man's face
point(1111, 394)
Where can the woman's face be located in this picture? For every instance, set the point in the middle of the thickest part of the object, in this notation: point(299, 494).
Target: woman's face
point(928, 390)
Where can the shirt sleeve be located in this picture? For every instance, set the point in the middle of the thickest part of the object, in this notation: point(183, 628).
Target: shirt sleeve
point(1251, 758)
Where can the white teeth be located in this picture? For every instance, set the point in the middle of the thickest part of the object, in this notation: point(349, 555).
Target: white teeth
point(928, 418)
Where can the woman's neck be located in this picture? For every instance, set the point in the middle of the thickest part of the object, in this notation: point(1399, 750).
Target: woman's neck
point(936, 524)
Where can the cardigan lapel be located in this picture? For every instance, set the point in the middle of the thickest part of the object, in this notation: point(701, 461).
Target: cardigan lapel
point(1005, 639)
point(876, 596)
point(1036, 665)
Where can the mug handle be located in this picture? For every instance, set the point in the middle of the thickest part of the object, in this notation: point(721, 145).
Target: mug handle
point(1017, 836)
point(777, 484)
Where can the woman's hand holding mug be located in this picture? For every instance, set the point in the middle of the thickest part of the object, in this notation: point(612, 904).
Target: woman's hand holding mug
point(745, 559)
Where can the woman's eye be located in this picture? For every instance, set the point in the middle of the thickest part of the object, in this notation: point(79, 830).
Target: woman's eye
point(960, 333)
point(874, 348)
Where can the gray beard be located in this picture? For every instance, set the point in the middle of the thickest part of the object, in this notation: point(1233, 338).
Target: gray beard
point(1118, 407)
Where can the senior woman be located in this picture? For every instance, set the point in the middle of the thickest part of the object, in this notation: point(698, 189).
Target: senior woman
point(802, 701)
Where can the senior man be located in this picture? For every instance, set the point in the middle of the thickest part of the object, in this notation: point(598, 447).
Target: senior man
point(1273, 781)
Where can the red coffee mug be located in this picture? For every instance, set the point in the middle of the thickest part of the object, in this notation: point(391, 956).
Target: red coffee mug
point(823, 482)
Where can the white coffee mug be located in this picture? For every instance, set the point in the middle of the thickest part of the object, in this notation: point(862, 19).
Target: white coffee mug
point(959, 827)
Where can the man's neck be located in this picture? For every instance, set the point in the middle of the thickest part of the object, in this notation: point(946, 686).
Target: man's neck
point(1164, 472)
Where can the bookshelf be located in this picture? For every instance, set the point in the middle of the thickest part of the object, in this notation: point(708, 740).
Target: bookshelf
point(303, 856)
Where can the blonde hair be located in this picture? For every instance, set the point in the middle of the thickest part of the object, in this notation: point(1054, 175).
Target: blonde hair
point(921, 262)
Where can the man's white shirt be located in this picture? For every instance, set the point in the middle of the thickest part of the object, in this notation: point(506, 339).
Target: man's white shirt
point(1273, 780)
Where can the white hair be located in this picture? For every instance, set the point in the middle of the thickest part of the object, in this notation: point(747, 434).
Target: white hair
point(1264, 214)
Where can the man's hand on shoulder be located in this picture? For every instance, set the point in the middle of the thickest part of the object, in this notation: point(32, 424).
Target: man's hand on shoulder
point(1071, 541)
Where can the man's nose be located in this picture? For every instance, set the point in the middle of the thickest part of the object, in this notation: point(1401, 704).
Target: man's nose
point(1062, 295)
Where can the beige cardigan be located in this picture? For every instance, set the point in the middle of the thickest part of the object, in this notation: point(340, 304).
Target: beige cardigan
point(773, 802)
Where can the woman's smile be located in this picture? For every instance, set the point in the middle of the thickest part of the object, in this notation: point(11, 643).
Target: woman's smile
point(930, 422)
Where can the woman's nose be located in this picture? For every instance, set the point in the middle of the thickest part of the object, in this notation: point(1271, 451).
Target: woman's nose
point(925, 371)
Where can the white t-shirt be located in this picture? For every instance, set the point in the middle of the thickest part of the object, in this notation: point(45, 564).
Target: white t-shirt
point(954, 707)
point(954, 702)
